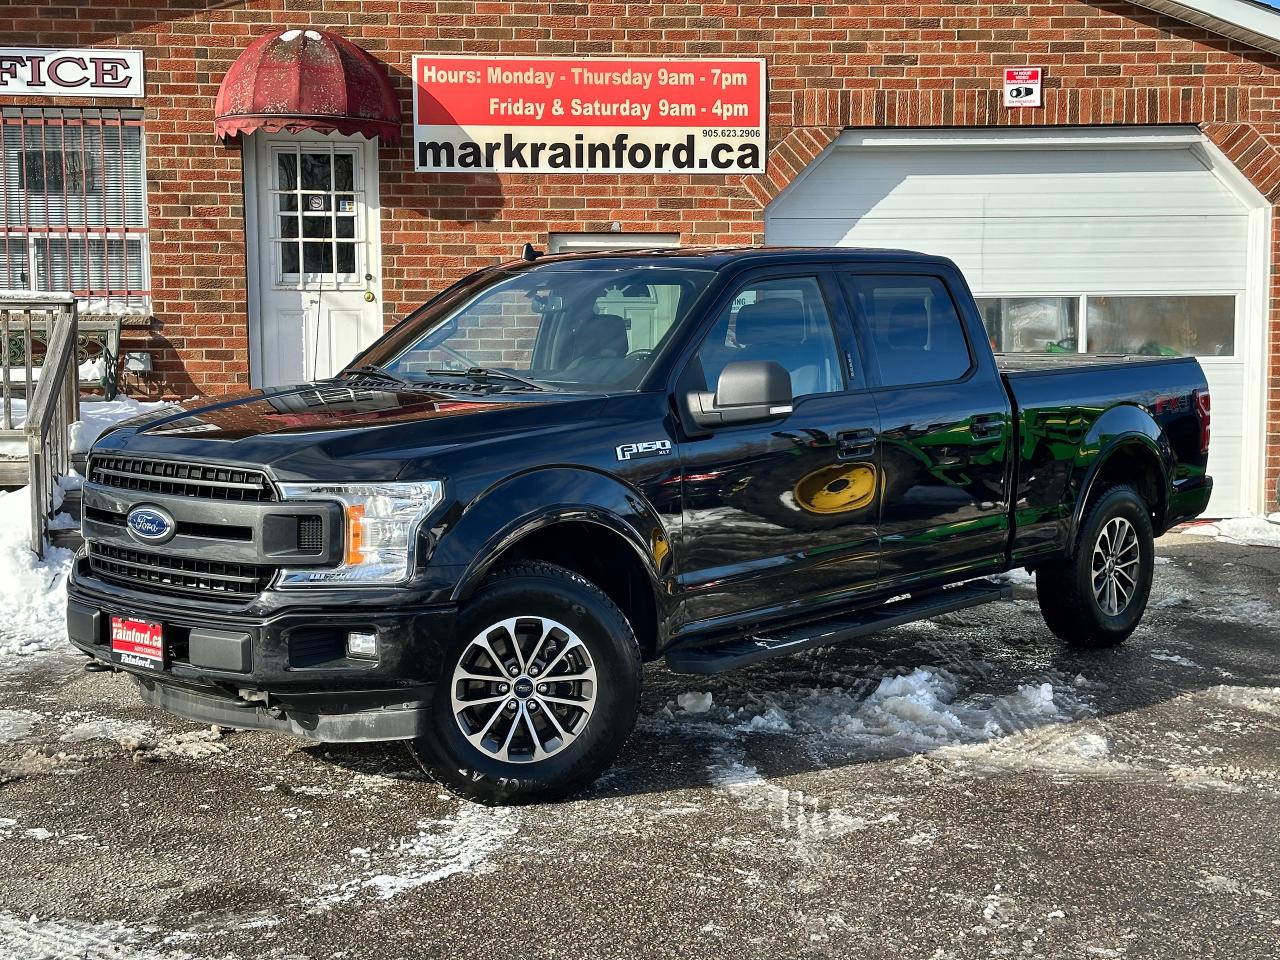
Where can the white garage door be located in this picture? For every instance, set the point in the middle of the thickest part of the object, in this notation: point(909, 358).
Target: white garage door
point(1128, 248)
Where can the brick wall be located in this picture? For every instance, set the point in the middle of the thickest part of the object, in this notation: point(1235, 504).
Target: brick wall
point(830, 65)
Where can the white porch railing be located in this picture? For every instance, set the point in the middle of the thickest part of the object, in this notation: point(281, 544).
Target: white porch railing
point(43, 392)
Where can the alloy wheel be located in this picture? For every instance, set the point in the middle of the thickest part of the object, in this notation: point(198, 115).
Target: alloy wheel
point(524, 689)
point(1115, 566)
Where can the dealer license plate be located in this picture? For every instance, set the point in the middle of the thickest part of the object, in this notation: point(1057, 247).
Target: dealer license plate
point(138, 643)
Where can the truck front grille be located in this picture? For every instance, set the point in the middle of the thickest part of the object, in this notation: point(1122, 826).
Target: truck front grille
point(204, 481)
point(161, 573)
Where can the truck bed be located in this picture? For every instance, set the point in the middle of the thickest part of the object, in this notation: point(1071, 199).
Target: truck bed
point(1019, 363)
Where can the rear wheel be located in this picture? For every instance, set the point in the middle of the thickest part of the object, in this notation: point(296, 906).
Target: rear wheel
point(1096, 597)
point(540, 689)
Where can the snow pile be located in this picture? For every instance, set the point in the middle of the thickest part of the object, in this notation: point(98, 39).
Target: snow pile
point(96, 417)
point(916, 712)
point(33, 592)
point(1254, 531)
point(694, 702)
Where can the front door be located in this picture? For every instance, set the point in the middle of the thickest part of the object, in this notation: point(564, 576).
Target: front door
point(782, 513)
point(315, 295)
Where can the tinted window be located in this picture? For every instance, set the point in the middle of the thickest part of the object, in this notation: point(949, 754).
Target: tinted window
point(785, 321)
point(913, 323)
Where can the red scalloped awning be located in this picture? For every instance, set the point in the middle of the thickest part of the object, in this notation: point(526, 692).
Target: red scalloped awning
point(297, 80)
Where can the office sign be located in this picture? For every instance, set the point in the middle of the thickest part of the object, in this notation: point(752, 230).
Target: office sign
point(585, 115)
point(1022, 86)
point(65, 73)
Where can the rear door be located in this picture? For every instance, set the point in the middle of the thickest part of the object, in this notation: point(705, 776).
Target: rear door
point(784, 512)
point(945, 422)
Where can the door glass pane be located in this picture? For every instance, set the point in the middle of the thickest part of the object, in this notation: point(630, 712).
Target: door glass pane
point(317, 258)
point(1163, 326)
point(286, 171)
point(785, 321)
point(289, 258)
point(315, 227)
point(346, 258)
point(343, 172)
point(315, 172)
point(346, 227)
point(913, 323)
point(288, 227)
point(1031, 324)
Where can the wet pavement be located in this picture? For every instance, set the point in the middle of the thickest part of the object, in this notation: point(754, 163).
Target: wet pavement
point(960, 788)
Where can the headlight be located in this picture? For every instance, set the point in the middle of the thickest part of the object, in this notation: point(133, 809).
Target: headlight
point(381, 529)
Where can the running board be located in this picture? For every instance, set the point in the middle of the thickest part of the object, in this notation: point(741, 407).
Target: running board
point(765, 644)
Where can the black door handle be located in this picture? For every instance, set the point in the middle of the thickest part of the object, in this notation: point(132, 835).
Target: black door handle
point(856, 443)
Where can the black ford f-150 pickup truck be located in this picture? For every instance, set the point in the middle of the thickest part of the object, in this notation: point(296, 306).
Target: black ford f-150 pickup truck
point(562, 467)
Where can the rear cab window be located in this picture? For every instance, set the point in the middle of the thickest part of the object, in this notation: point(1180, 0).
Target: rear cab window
point(914, 330)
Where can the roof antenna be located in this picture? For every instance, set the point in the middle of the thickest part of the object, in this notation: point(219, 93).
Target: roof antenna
point(529, 253)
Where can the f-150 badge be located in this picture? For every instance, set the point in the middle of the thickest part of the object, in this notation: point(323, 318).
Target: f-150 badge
point(646, 448)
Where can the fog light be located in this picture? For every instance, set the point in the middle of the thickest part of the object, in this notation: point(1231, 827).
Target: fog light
point(363, 645)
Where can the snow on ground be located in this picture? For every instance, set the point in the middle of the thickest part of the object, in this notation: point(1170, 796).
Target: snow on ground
point(903, 713)
point(35, 939)
point(465, 842)
point(1255, 531)
point(16, 724)
point(33, 592)
point(96, 416)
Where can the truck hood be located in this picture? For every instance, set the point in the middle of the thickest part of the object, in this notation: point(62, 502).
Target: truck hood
point(328, 431)
point(311, 408)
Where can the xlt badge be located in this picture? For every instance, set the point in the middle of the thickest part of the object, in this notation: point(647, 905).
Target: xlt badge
point(645, 448)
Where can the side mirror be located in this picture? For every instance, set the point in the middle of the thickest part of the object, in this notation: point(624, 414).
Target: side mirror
point(749, 391)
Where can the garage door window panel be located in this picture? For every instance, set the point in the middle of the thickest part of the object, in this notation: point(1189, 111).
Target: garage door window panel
point(781, 320)
point(914, 328)
point(1041, 324)
point(1172, 326)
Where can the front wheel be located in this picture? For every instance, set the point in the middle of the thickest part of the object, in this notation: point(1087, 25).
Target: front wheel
point(1096, 597)
point(540, 689)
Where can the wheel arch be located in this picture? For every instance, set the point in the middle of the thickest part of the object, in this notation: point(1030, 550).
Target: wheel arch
point(1126, 446)
point(608, 533)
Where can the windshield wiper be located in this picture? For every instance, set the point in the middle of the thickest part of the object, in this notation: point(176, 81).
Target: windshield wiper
point(486, 372)
point(373, 370)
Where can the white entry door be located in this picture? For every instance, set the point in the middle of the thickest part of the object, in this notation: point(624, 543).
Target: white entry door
point(315, 294)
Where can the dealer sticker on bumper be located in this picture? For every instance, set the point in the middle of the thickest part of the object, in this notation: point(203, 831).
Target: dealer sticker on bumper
point(138, 643)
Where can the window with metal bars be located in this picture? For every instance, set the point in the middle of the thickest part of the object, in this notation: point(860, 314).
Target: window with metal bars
point(74, 200)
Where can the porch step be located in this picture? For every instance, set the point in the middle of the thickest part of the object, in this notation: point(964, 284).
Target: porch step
point(766, 644)
point(70, 538)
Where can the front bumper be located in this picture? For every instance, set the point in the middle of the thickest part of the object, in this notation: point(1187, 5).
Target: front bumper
point(286, 670)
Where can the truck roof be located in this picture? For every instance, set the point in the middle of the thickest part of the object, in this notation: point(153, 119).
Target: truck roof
point(717, 258)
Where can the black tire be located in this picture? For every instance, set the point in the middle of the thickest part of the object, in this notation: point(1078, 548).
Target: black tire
point(530, 590)
point(1065, 589)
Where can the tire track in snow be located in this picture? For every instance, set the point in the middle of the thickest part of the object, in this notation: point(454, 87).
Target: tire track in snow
point(34, 939)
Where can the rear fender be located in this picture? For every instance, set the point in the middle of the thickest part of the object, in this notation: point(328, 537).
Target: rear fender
point(1125, 430)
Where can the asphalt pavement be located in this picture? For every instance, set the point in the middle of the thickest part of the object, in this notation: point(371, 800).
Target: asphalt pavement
point(964, 787)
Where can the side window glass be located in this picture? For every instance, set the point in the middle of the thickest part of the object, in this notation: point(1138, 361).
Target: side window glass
point(913, 323)
point(783, 320)
point(647, 310)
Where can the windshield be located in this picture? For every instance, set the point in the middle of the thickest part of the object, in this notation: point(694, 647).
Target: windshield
point(560, 327)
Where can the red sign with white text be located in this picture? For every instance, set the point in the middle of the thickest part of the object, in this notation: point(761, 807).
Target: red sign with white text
point(581, 115)
point(1022, 86)
point(140, 643)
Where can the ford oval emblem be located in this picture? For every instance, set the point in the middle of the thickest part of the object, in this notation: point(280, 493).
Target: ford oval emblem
point(151, 525)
